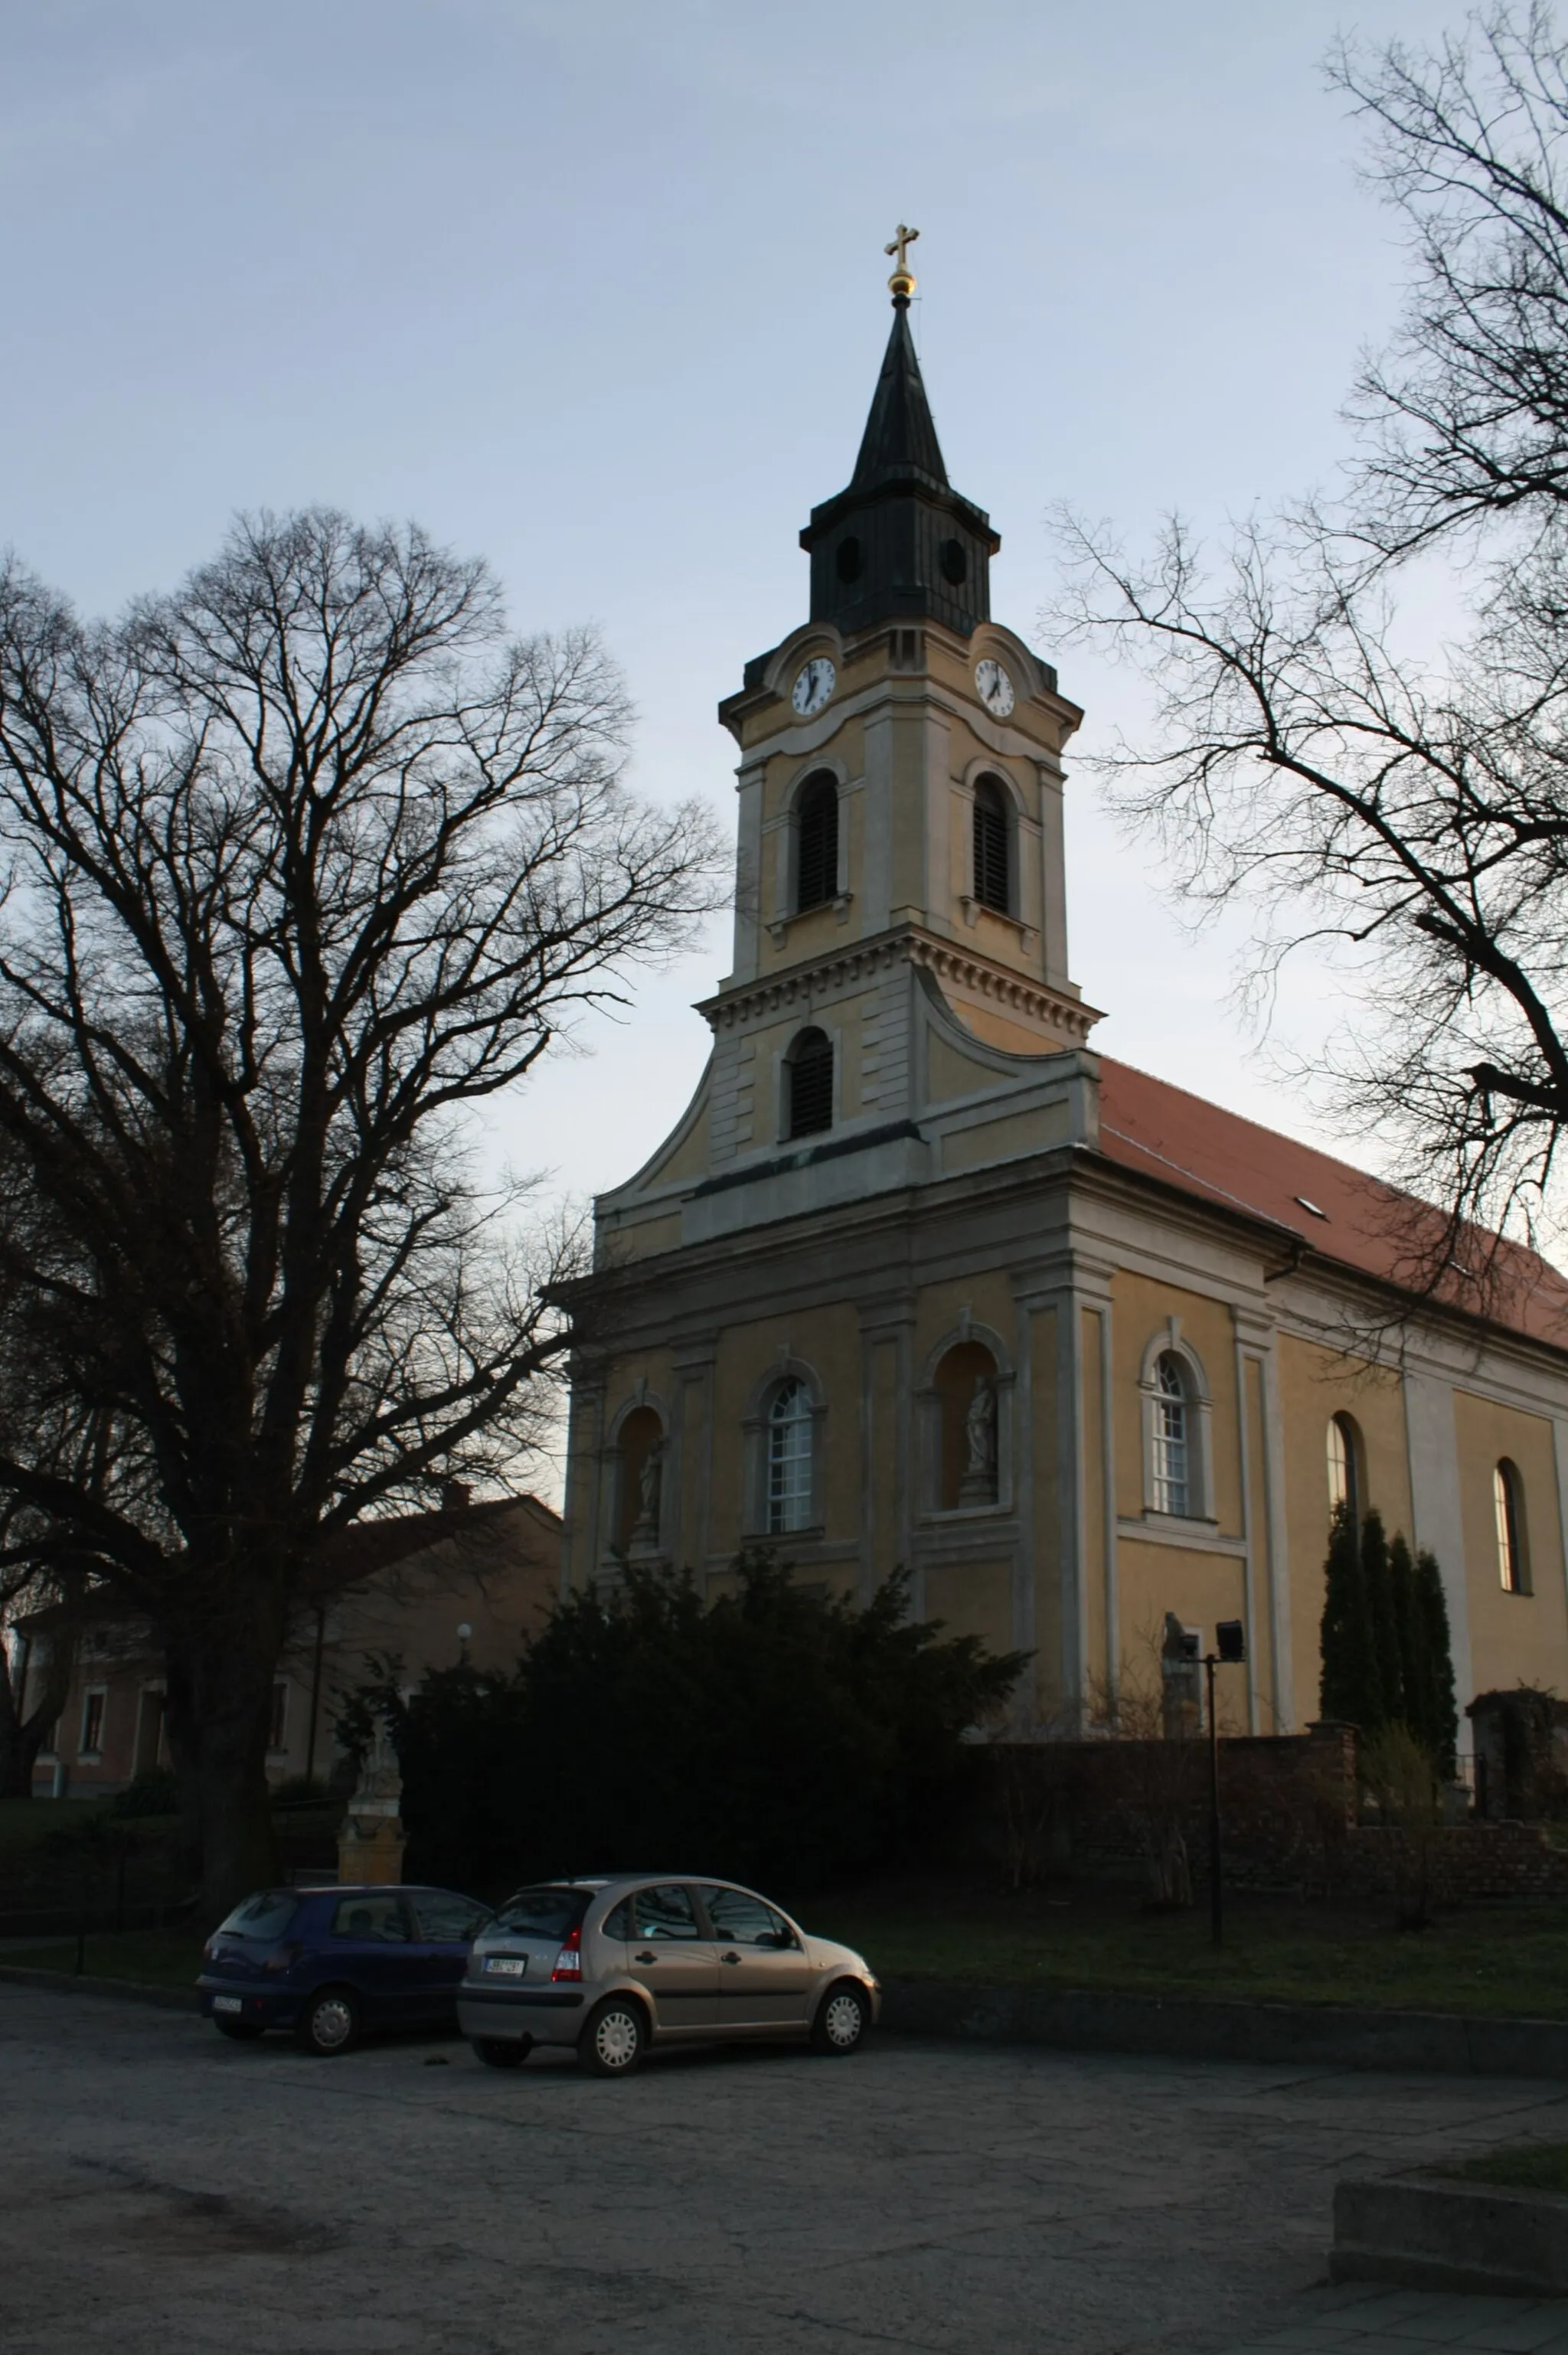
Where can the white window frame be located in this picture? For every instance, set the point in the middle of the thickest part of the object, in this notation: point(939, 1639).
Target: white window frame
point(755, 1434)
point(1199, 1404)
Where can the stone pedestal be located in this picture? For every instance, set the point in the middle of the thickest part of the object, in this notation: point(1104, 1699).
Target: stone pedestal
point(370, 1848)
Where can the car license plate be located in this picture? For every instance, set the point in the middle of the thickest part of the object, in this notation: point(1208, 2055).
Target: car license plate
point(506, 1966)
point(227, 2003)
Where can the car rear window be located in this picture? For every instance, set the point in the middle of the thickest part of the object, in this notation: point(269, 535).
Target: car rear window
point(543, 1913)
point(265, 1915)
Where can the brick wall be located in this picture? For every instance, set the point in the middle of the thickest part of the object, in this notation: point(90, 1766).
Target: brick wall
point(1288, 1804)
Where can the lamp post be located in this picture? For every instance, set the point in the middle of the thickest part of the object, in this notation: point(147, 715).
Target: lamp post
point(1230, 1650)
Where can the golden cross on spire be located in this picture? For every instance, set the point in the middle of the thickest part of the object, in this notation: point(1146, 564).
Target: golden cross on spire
point(902, 282)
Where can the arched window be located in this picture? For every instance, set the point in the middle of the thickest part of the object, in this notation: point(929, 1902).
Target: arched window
point(966, 1385)
point(1172, 1437)
point(1513, 1551)
point(789, 1496)
point(992, 879)
point(817, 842)
point(638, 1499)
point(809, 1080)
point(1346, 1486)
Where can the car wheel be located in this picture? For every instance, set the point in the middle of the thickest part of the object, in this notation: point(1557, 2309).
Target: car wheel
point(329, 2023)
point(501, 2052)
point(842, 2019)
point(613, 2038)
point(243, 2032)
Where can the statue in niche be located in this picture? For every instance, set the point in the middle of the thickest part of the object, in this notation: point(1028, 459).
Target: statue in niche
point(979, 1485)
point(645, 1532)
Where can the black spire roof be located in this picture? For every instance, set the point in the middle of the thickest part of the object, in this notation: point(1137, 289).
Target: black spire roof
point(900, 543)
point(899, 437)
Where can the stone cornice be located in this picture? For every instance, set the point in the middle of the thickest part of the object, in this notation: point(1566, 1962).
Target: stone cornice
point(961, 968)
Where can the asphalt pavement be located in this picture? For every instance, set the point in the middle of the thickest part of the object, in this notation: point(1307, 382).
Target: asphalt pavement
point(163, 2191)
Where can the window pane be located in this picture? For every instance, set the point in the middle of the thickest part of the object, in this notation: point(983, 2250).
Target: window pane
point(1338, 1464)
point(371, 1917)
point(1510, 1549)
point(1172, 1490)
point(266, 1916)
point(663, 1913)
point(445, 1918)
point(789, 1461)
point(736, 1913)
point(543, 1913)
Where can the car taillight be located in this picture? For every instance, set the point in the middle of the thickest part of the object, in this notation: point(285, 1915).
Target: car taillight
point(568, 1961)
point(283, 1958)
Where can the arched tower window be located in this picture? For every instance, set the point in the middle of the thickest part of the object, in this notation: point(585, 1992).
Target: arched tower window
point(1172, 1437)
point(638, 1498)
point(809, 1080)
point(1513, 1551)
point(993, 880)
point(789, 1487)
point(817, 842)
point(966, 1385)
point(1347, 1484)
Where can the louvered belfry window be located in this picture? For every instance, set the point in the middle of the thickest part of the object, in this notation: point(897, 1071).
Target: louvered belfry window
point(811, 1084)
point(817, 869)
point(991, 878)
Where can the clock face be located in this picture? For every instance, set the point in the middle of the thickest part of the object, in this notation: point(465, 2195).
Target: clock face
point(814, 685)
point(996, 688)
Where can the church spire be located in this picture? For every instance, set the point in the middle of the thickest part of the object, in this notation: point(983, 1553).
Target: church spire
point(900, 543)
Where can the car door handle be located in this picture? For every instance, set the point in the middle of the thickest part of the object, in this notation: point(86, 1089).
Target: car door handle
point(729, 1958)
point(647, 1955)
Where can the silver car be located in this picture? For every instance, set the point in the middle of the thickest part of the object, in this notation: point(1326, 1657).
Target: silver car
point(611, 1967)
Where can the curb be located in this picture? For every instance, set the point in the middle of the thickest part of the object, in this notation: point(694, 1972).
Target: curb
point(1202, 2028)
point(1422, 2233)
point(67, 1983)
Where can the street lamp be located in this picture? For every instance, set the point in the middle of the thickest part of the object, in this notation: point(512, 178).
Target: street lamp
point(1230, 1651)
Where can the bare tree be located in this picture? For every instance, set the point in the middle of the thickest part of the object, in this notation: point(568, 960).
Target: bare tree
point(1411, 818)
point(303, 864)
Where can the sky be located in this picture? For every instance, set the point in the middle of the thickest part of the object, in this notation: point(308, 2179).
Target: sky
point(596, 289)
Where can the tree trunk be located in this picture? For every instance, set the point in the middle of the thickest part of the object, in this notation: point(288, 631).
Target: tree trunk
point(219, 1711)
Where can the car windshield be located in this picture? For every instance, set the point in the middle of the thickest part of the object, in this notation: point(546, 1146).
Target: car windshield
point(543, 1913)
point(265, 1915)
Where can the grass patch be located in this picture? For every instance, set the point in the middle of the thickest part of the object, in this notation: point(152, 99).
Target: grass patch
point(1501, 1963)
point(160, 1958)
point(1528, 2167)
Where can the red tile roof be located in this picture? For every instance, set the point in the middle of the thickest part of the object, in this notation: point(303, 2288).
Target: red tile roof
point(1339, 1213)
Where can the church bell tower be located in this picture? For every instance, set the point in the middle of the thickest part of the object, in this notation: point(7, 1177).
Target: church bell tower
point(901, 919)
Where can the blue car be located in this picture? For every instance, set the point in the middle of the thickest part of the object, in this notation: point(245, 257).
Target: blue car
point(331, 1963)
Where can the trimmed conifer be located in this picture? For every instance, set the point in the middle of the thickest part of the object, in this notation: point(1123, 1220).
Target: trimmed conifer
point(1377, 1580)
point(1440, 1730)
point(1351, 1685)
point(1414, 1650)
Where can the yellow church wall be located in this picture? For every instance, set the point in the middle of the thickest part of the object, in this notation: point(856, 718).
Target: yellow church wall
point(1041, 1438)
point(972, 1598)
point(641, 1238)
point(1000, 1030)
point(1000, 1140)
point(1144, 1306)
point(691, 1157)
point(1200, 1588)
point(1091, 1342)
point(1514, 1638)
point(1315, 1384)
point(939, 1307)
point(950, 1073)
point(1266, 1571)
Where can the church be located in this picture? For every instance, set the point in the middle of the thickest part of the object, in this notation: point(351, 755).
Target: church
point(919, 1280)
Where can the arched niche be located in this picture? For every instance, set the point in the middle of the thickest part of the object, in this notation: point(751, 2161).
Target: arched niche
point(965, 1406)
point(637, 1465)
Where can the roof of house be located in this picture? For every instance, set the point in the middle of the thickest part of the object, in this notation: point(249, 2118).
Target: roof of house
point(1339, 1213)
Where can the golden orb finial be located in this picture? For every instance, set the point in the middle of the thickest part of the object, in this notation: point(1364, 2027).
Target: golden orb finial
point(903, 281)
